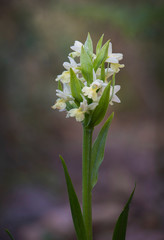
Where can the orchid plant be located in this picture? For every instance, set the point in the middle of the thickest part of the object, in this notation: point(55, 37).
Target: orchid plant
point(85, 90)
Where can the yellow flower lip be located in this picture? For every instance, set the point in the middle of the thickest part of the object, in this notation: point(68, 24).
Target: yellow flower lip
point(60, 104)
point(64, 77)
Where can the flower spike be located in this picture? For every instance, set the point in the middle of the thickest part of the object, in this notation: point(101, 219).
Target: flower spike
point(83, 82)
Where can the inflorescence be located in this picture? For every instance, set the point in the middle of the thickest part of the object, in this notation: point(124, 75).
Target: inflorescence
point(81, 85)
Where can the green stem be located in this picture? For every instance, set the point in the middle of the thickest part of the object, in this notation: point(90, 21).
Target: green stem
point(86, 180)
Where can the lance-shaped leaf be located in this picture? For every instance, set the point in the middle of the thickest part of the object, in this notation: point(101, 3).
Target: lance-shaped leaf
point(113, 84)
point(86, 66)
point(89, 45)
point(99, 44)
point(102, 55)
point(103, 71)
point(98, 150)
point(99, 112)
point(75, 206)
point(121, 224)
point(9, 234)
point(75, 86)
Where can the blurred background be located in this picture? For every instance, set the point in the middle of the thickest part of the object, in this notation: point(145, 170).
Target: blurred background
point(35, 41)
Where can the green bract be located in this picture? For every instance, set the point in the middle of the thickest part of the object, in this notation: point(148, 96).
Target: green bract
point(60, 87)
point(101, 56)
point(75, 86)
point(89, 45)
point(99, 44)
point(103, 71)
point(86, 66)
point(99, 112)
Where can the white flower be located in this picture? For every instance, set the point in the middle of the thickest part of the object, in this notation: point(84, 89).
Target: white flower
point(94, 56)
point(84, 105)
point(113, 57)
point(98, 72)
point(72, 65)
point(92, 91)
point(63, 95)
point(77, 48)
point(113, 92)
point(60, 104)
point(66, 93)
point(116, 67)
point(67, 88)
point(92, 106)
point(108, 72)
point(64, 77)
point(79, 113)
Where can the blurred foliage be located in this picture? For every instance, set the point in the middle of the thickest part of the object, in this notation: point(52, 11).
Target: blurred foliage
point(141, 21)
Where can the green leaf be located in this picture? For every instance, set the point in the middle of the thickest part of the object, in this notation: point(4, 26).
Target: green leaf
point(121, 224)
point(60, 86)
point(75, 86)
point(99, 44)
point(99, 112)
point(86, 66)
point(113, 84)
point(101, 56)
point(103, 71)
point(9, 234)
point(98, 150)
point(71, 105)
point(89, 45)
point(75, 206)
